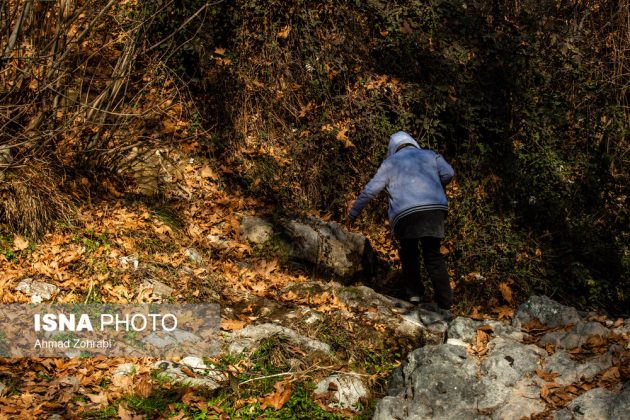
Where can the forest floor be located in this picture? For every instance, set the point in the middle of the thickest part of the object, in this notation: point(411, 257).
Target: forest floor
point(192, 245)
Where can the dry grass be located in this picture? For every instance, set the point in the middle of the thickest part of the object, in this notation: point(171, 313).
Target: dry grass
point(30, 200)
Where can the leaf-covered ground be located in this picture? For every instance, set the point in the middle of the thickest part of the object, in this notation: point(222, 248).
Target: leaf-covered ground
point(192, 244)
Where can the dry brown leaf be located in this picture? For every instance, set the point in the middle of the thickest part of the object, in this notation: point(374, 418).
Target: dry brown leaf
point(100, 399)
point(482, 340)
point(284, 33)
point(207, 172)
point(534, 326)
point(277, 398)
point(190, 398)
point(19, 243)
point(27, 398)
point(122, 381)
point(126, 414)
point(232, 324)
point(343, 137)
point(572, 389)
point(504, 312)
point(596, 341)
point(143, 387)
point(611, 374)
point(506, 292)
point(547, 376)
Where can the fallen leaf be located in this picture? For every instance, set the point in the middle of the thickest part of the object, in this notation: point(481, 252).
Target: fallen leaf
point(125, 414)
point(19, 243)
point(481, 341)
point(190, 398)
point(100, 399)
point(504, 312)
point(143, 388)
point(284, 33)
point(611, 374)
point(547, 376)
point(207, 172)
point(219, 51)
point(232, 324)
point(506, 292)
point(278, 398)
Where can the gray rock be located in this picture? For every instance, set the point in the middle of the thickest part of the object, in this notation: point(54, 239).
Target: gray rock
point(126, 369)
point(623, 329)
point(620, 406)
point(446, 381)
point(129, 260)
point(256, 230)
point(519, 406)
point(250, 336)
point(507, 363)
point(39, 291)
point(437, 382)
point(464, 329)
point(3, 389)
point(342, 391)
point(501, 329)
point(411, 326)
point(211, 380)
point(592, 405)
point(193, 255)
point(577, 336)
point(507, 360)
point(195, 363)
point(159, 288)
point(328, 245)
point(570, 371)
point(547, 311)
point(361, 297)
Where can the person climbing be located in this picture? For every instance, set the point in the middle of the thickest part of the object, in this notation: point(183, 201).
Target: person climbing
point(414, 179)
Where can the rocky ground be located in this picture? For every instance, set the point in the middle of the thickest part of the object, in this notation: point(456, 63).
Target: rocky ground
point(293, 342)
point(549, 362)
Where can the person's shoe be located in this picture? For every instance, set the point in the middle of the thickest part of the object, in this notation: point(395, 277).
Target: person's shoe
point(415, 299)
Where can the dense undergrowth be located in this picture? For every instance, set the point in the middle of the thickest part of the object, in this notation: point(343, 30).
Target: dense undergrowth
point(294, 101)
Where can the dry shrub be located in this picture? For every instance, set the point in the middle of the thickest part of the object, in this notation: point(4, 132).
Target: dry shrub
point(30, 199)
point(96, 110)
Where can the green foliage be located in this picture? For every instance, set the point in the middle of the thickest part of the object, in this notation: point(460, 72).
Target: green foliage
point(92, 241)
point(6, 246)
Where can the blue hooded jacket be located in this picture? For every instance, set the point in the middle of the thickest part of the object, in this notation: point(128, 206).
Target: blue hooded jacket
point(414, 179)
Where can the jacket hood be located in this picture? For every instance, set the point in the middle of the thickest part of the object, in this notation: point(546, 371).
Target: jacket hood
point(398, 139)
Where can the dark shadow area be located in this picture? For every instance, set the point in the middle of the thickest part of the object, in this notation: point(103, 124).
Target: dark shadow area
point(492, 87)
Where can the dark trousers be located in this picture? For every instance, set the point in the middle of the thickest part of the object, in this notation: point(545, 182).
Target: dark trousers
point(434, 263)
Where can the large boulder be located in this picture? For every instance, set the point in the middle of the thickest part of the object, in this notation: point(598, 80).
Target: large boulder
point(330, 246)
point(545, 311)
point(326, 245)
